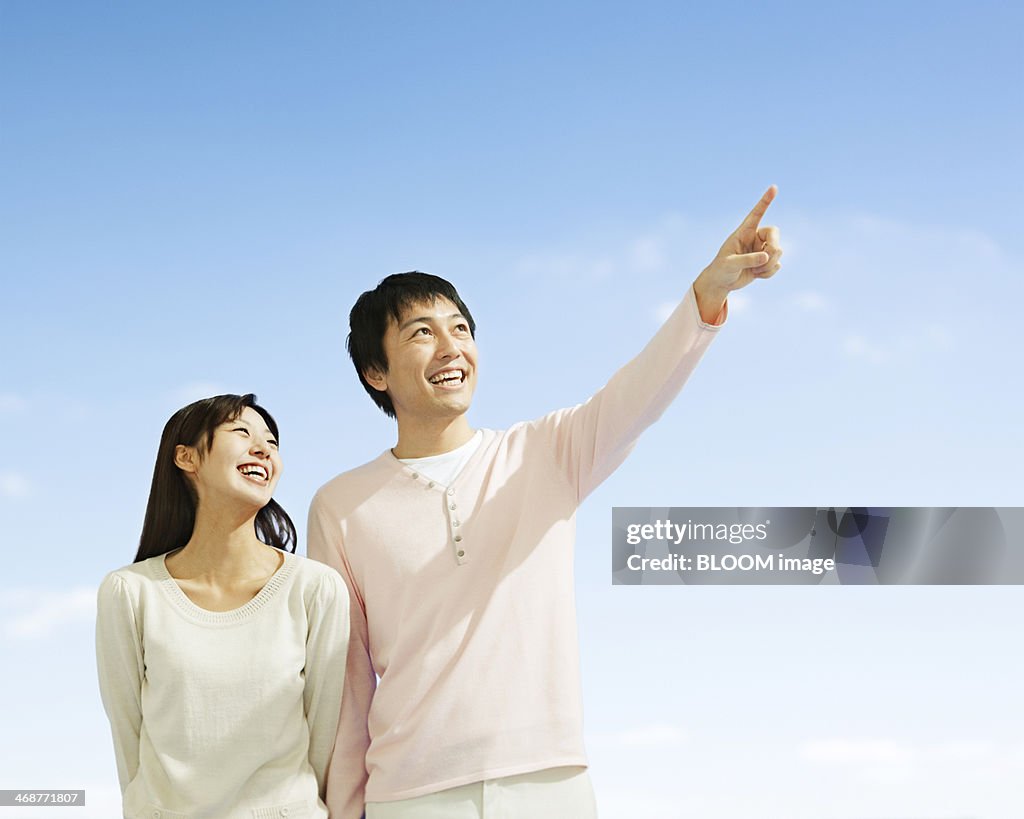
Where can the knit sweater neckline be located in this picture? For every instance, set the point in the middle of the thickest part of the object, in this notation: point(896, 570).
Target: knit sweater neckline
point(388, 457)
point(197, 614)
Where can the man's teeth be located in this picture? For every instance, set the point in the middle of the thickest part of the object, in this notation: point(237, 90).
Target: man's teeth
point(257, 471)
point(448, 377)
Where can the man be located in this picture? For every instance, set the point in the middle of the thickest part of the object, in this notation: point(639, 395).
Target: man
point(456, 545)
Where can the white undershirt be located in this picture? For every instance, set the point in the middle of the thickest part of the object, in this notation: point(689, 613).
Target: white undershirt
point(444, 468)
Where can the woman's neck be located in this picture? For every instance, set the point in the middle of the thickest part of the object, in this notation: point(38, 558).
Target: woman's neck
point(224, 548)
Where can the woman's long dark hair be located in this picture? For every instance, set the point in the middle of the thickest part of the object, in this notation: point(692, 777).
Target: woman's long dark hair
point(171, 509)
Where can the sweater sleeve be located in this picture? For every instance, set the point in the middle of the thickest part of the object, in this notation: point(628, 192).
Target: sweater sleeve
point(590, 440)
point(326, 647)
point(346, 774)
point(121, 667)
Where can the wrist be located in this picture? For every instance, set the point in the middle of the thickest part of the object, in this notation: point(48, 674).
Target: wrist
point(710, 297)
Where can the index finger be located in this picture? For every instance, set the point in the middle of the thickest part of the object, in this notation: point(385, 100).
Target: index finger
point(754, 217)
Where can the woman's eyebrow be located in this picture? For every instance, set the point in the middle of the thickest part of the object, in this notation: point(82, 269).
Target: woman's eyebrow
point(246, 424)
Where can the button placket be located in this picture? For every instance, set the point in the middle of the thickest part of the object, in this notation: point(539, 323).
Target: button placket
point(453, 525)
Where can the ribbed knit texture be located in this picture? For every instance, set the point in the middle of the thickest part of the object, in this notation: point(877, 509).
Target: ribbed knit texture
point(222, 715)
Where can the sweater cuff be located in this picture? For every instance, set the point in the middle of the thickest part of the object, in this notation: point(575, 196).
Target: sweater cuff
point(720, 319)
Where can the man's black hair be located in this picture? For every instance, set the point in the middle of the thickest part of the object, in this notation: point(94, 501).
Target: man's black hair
point(369, 318)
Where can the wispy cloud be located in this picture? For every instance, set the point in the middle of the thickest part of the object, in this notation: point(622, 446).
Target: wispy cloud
point(847, 751)
point(887, 760)
point(672, 242)
point(858, 347)
point(10, 402)
point(879, 348)
point(14, 485)
point(31, 615)
point(810, 301)
point(657, 734)
point(892, 291)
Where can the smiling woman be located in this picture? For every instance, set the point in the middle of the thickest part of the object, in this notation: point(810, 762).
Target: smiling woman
point(188, 438)
point(221, 653)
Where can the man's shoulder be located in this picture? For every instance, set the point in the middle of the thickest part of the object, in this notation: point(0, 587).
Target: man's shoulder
point(341, 486)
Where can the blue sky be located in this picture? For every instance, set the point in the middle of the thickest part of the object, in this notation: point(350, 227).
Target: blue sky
point(192, 196)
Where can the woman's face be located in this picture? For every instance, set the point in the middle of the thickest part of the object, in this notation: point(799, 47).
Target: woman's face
point(242, 466)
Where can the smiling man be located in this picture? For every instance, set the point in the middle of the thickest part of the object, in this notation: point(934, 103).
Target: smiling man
point(462, 693)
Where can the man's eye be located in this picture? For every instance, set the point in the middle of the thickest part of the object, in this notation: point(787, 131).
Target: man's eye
point(462, 328)
point(424, 330)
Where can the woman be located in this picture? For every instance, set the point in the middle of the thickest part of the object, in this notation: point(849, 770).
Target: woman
point(221, 653)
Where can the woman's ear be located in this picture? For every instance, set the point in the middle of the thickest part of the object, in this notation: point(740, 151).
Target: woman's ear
point(186, 458)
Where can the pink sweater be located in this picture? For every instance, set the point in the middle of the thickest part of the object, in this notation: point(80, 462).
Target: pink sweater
point(462, 596)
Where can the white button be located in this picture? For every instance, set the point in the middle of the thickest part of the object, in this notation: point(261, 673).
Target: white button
point(461, 553)
point(284, 811)
point(451, 506)
point(458, 538)
point(156, 814)
point(430, 485)
point(451, 491)
point(416, 475)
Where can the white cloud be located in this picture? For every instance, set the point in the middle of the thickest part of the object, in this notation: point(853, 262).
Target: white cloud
point(809, 301)
point(32, 615)
point(886, 760)
point(658, 734)
point(847, 752)
point(647, 254)
point(916, 343)
point(14, 485)
point(628, 803)
point(739, 303)
point(670, 243)
point(9, 402)
point(858, 347)
point(870, 275)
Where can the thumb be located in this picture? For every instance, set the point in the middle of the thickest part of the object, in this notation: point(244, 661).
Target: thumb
point(741, 261)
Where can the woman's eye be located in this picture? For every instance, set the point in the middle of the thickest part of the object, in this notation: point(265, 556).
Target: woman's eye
point(241, 429)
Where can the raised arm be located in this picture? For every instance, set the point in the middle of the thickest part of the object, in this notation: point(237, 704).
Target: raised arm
point(591, 440)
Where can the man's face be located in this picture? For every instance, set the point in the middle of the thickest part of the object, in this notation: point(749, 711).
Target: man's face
point(431, 362)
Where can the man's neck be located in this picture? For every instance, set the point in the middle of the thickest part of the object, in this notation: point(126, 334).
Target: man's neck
point(421, 440)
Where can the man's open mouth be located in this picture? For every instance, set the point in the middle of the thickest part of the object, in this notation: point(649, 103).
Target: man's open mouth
point(448, 378)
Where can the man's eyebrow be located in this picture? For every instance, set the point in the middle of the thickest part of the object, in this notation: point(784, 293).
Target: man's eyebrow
point(427, 320)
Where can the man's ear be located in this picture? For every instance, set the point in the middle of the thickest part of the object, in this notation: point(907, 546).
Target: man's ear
point(376, 379)
point(186, 458)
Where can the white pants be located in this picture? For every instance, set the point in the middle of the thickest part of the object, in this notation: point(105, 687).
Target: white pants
point(555, 793)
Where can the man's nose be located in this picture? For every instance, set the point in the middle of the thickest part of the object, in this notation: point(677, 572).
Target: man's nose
point(446, 346)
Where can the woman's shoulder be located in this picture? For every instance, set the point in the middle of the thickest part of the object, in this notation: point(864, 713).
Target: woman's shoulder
point(317, 577)
point(133, 576)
